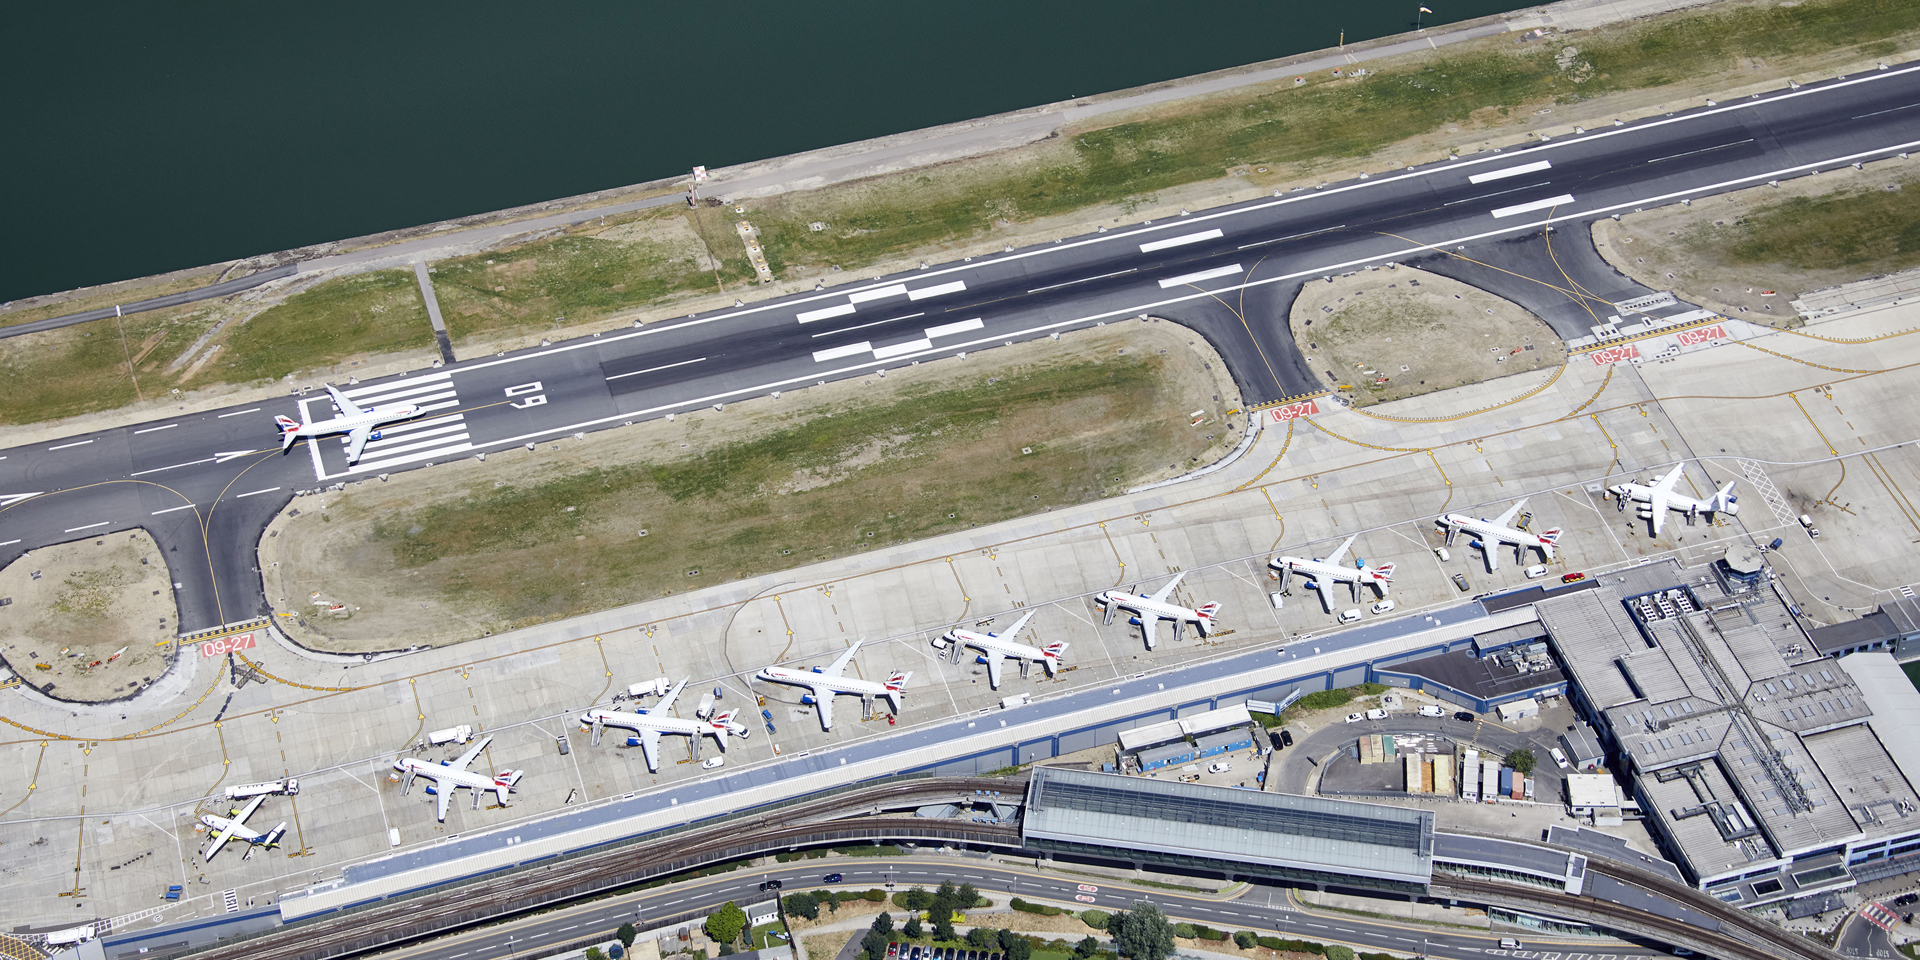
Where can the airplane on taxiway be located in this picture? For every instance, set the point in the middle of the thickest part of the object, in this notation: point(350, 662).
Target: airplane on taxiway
point(996, 647)
point(447, 776)
point(359, 425)
point(1490, 534)
point(1322, 572)
point(234, 828)
point(656, 721)
point(1151, 608)
point(826, 683)
point(1659, 498)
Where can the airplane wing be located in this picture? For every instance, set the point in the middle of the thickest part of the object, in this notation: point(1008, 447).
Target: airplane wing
point(667, 701)
point(838, 666)
point(823, 701)
point(356, 441)
point(1013, 632)
point(347, 407)
point(1657, 504)
point(1163, 593)
point(993, 668)
point(1665, 484)
point(1147, 622)
point(221, 840)
point(1506, 519)
point(1334, 558)
point(442, 791)
point(247, 811)
point(473, 751)
point(650, 742)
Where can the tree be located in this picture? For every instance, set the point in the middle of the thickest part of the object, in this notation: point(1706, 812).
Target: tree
point(980, 938)
point(912, 929)
point(914, 898)
point(1088, 946)
point(1245, 940)
point(724, 925)
point(627, 934)
point(883, 923)
point(803, 905)
point(1142, 933)
point(831, 898)
point(1521, 760)
point(1015, 946)
point(946, 890)
point(595, 953)
point(966, 897)
point(943, 925)
point(1337, 951)
point(726, 948)
point(875, 945)
point(1096, 919)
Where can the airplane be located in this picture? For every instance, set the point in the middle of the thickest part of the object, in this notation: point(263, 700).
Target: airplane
point(655, 721)
point(359, 425)
point(1492, 533)
point(996, 647)
point(1150, 609)
point(1659, 498)
point(447, 776)
point(224, 829)
point(827, 682)
point(1323, 572)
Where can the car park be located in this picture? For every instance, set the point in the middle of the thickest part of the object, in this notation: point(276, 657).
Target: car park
point(1460, 582)
point(1354, 718)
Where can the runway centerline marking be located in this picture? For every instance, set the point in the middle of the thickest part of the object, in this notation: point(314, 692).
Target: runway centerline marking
point(77, 443)
point(1297, 236)
point(238, 413)
point(1069, 283)
point(1511, 171)
point(252, 492)
point(1153, 245)
point(1535, 205)
point(176, 466)
point(1498, 193)
point(1184, 279)
point(1876, 113)
point(169, 426)
point(655, 369)
point(89, 526)
point(188, 506)
point(829, 333)
point(1690, 153)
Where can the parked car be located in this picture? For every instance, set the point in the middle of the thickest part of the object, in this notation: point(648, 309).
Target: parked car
point(1354, 718)
point(1376, 714)
point(1465, 717)
point(893, 950)
point(1906, 899)
point(1286, 737)
point(1442, 553)
point(1221, 767)
point(1573, 578)
point(1460, 582)
point(830, 878)
point(1273, 737)
point(1432, 710)
point(1559, 759)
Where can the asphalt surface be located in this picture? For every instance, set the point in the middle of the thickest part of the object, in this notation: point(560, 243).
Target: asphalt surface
point(1263, 909)
point(208, 292)
point(1229, 273)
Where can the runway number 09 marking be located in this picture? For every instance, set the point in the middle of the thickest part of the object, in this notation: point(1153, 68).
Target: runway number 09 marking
point(1611, 355)
point(532, 392)
point(1294, 411)
point(1703, 335)
point(226, 645)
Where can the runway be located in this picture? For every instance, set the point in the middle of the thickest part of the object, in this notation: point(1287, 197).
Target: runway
point(205, 485)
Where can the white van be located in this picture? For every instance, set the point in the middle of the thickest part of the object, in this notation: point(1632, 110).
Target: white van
point(1376, 714)
point(1509, 943)
point(1384, 606)
point(1429, 710)
point(1350, 616)
point(1221, 767)
point(1536, 571)
point(1277, 600)
point(1442, 553)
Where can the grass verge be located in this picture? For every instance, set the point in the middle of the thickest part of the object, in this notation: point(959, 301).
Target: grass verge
point(335, 321)
point(1868, 230)
point(83, 369)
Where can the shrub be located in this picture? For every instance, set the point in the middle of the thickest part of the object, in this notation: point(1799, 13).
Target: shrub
point(875, 896)
point(1245, 940)
point(1085, 948)
point(911, 929)
point(1337, 951)
point(1096, 919)
point(1025, 906)
point(915, 899)
point(1185, 931)
point(726, 949)
point(883, 923)
point(594, 953)
point(803, 905)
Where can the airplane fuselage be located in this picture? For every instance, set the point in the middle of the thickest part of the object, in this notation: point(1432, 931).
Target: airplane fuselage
point(1324, 574)
point(987, 643)
point(1491, 535)
point(447, 778)
point(372, 418)
point(851, 686)
point(646, 721)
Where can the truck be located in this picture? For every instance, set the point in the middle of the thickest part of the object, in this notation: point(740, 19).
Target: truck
point(656, 687)
point(459, 734)
point(69, 936)
point(1018, 699)
point(705, 710)
point(247, 791)
point(1506, 781)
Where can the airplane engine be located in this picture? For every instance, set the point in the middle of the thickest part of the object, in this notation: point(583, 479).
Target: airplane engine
point(807, 699)
point(981, 659)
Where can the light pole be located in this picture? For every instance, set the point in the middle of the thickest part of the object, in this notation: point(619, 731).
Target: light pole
point(510, 950)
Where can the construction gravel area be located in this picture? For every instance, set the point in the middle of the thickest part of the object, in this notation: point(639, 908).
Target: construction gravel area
point(1401, 332)
point(76, 605)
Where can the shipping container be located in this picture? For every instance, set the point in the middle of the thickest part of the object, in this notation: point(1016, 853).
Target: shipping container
point(1470, 777)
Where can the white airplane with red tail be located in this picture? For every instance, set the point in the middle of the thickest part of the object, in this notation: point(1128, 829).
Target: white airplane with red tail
point(359, 425)
point(996, 647)
point(449, 775)
point(1322, 572)
point(827, 682)
point(1490, 534)
point(1151, 608)
point(656, 721)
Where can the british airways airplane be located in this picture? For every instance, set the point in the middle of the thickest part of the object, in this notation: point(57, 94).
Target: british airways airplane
point(825, 683)
point(996, 647)
point(359, 425)
point(1151, 608)
point(1323, 573)
point(1490, 534)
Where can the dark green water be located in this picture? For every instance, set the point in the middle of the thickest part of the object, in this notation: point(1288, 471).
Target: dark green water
point(147, 137)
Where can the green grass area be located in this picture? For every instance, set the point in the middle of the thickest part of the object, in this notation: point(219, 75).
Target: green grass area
point(83, 369)
point(763, 936)
point(660, 256)
point(337, 320)
point(1870, 231)
point(837, 484)
point(1321, 121)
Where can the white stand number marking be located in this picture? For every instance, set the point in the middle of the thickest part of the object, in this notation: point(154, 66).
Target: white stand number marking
point(523, 390)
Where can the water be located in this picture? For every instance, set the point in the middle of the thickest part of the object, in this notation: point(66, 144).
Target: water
point(147, 137)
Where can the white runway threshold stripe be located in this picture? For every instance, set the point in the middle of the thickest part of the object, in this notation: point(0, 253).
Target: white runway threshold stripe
point(825, 313)
point(1153, 245)
point(881, 293)
point(936, 290)
point(1524, 168)
point(901, 349)
point(836, 353)
point(1226, 271)
point(1535, 205)
point(948, 329)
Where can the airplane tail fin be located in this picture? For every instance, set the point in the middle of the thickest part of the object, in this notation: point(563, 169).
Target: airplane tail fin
point(288, 426)
point(1548, 539)
point(898, 681)
point(273, 836)
point(1724, 501)
point(1383, 573)
point(504, 782)
point(1205, 621)
point(1050, 655)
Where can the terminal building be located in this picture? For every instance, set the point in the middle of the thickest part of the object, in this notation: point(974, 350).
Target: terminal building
point(1766, 769)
